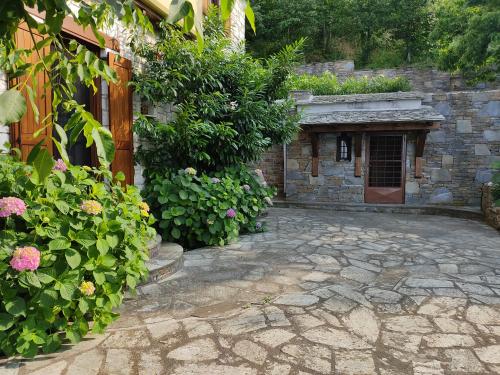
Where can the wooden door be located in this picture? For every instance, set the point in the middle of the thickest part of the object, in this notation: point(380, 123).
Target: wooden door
point(22, 133)
point(120, 117)
point(384, 180)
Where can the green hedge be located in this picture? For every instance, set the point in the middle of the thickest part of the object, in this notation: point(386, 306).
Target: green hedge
point(68, 248)
point(328, 84)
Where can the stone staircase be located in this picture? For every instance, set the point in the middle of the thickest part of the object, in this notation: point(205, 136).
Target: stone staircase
point(166, 258)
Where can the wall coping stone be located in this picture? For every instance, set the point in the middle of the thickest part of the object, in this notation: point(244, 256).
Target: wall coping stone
point(356, 98)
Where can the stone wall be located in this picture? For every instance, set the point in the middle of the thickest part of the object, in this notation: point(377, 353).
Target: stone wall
point(425, 80)
point(272, 167)
point(490, 210)
point(335, 181)
point(457, 156)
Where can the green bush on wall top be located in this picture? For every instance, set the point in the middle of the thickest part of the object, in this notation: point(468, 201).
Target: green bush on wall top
point(328, 84)
point(197, 210)
point(69, 246)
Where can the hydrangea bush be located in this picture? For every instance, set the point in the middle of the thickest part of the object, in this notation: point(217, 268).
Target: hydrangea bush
point(68, 248)
point(198, 209)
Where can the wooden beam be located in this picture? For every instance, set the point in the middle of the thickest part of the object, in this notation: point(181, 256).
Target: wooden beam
point(315, 155)
point(373, 127)
point(419, 152)
point(358, 139)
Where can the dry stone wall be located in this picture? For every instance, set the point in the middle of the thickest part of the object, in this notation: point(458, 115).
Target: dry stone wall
point(490, 210)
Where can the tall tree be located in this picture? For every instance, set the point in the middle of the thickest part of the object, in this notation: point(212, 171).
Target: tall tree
point(466, 36)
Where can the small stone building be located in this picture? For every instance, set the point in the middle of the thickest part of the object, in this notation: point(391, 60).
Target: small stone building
point(358, 148)
point(434, 146)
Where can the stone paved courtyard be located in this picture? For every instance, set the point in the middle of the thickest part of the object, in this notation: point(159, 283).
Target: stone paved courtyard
point(319, 293)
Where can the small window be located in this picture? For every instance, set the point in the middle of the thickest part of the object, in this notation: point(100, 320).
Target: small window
point(344, 147)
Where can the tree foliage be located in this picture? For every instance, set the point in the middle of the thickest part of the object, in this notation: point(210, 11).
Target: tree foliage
point(342, 28)
point(68, 62)
point(467, 37)
point(455, 35)
point(226, 108)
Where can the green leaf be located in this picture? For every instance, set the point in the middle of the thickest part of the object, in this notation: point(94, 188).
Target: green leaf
point(226, 6)
point(73, 258)
point(120, 176)
point(178, 10)
point(250, 15)
point(73, 336)
point(102, 246)
point(59, 244)
point(104, 144)
point(67, 291)
point(107, 260)
point(176, 233)
point(178, 211)
point(6, 321)
point(183, 194)
point(42, 166)
point(131, 282)
point(62, 206)
point(83, 305)
point(62, 142)
point(113, 240)
point(30, 279)
point(34, 152)
point(16, 306)
point(114, 299)
point(85, 238)
point(99, 277)
point(12, 106)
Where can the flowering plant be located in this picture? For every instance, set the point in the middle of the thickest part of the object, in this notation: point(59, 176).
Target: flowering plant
point(207, 210)
point(68, 248)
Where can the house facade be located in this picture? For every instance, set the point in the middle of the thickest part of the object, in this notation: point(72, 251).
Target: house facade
point(432, 146)
point(113, 105)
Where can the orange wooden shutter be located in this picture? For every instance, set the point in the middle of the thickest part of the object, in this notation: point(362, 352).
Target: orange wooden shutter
point(120, 117)
point(22, 132)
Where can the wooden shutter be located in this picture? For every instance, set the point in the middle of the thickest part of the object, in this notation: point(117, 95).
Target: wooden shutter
point(22, 132)
point(120, 117)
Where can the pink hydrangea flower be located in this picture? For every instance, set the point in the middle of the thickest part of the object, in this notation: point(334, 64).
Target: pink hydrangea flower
point(231, 213)
point(11, 205)
point(215, 180)
point(25, 258)
point(60, 166)
point(246, 187)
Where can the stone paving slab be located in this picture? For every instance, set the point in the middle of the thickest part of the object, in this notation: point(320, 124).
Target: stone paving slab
point(319, 293)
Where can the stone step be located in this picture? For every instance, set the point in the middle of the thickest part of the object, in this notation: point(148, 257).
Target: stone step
point(473, 213)
point(167, 260)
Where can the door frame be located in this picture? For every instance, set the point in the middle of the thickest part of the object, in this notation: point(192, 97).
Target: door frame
point(403, 165)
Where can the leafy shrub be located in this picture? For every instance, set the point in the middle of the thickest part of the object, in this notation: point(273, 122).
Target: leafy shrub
point(496, 183)
point(226, 110)
point(206, 209)
point(66, 257)
point(328, 84)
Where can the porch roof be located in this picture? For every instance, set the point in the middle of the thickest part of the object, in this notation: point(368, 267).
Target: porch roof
point(424, 114)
